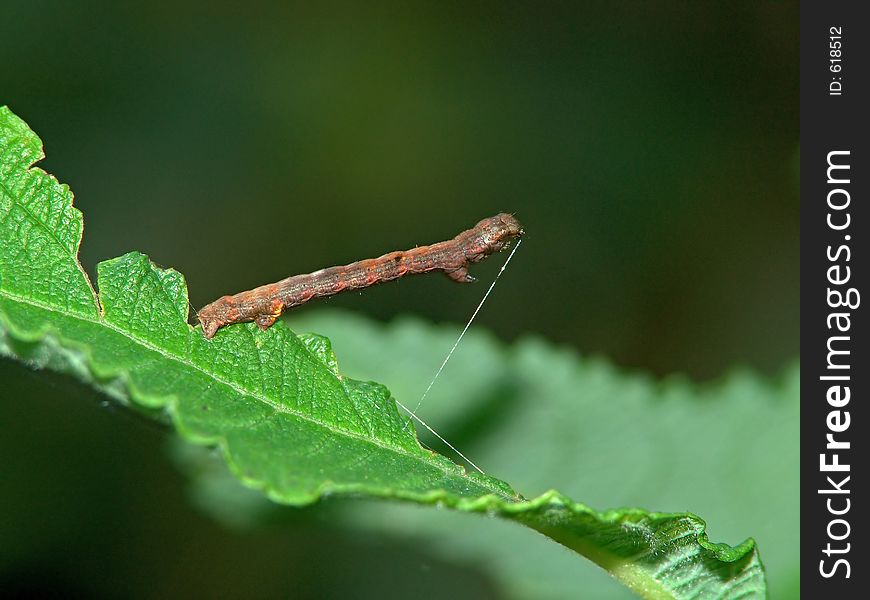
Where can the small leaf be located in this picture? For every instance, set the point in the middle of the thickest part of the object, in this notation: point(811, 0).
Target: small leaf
point(288, 424)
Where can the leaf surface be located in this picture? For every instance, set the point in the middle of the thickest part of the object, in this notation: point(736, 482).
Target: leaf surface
point(287, 422)
point(726, 448)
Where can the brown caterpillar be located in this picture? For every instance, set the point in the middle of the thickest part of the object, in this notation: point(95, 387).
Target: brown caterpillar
point(263, 305)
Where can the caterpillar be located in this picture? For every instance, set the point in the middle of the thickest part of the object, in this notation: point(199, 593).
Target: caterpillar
point(264, 304)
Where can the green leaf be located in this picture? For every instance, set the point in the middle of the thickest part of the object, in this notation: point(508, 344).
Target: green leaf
point(727, 449)
point(286, 421)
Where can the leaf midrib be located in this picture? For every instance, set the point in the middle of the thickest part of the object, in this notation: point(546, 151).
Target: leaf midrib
point(241, 390)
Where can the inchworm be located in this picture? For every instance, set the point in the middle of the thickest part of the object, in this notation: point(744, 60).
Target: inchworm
point(263, 305)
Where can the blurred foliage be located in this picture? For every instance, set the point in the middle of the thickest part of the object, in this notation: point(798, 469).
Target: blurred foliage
point(648, 148)
point(546, 417)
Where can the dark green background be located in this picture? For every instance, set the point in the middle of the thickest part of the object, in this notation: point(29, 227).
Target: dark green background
point(650, 150)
